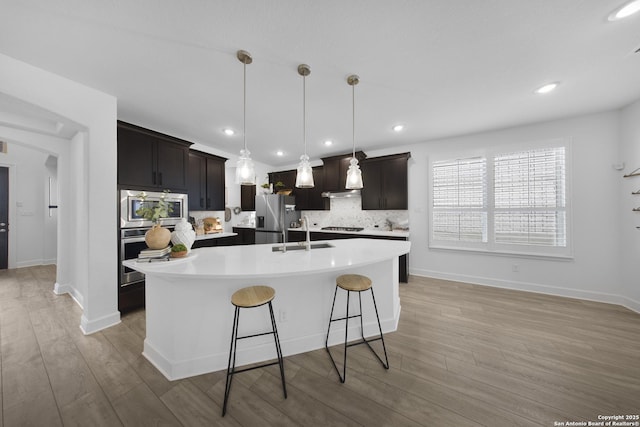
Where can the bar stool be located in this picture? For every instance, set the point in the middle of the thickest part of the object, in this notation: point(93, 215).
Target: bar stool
point(251, 297)
point(354, 283)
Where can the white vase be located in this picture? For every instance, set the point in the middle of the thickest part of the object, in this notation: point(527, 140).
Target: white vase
point(183, 234)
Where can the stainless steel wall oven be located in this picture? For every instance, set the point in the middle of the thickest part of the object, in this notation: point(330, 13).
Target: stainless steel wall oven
point(133, 227)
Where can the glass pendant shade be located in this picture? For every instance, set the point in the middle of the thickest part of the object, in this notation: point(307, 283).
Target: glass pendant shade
point(354, 175)
point(245, 172)
point(304, 177)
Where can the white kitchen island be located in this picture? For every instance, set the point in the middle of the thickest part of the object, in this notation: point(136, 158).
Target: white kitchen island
point(189, 313)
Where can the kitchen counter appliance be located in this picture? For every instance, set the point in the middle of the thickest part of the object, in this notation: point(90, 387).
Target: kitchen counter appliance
point(334, 228)
point(274, 213)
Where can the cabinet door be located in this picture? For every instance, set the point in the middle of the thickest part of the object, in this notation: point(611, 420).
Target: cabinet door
point(196, 182)
point(395, 184)
point(315, 201)
point(171, 172)
point(385, 183)
point(248, 197)
point(372, 176)
point(136, 161)
point(215, 184)
point(331, 175)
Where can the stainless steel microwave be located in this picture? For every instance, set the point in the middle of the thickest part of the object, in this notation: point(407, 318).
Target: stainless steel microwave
point(132, 200)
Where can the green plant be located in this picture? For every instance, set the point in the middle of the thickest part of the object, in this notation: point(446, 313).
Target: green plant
point(154, 210)
point(178, 248)
point(279, 184)
point(265, 185)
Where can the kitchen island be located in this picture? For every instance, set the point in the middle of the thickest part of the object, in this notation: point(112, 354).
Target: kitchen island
point(189, 312)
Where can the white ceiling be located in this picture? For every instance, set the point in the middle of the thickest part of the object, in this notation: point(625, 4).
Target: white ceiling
point(440, 67)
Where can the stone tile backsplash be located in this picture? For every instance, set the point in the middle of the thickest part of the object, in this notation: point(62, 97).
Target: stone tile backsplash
point(348, 212)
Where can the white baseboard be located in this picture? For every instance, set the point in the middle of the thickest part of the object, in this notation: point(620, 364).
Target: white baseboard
point(59, 289)
point(533, 287)
point(29, 263)
point(90, 326)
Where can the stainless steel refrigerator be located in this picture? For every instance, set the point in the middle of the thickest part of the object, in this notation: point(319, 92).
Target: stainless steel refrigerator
point(274, 214)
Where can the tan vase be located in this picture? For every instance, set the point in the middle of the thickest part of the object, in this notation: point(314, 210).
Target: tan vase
point(158, 237)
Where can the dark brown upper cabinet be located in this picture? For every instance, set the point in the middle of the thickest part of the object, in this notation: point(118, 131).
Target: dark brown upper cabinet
point(248, 197)
point(151, 160)
point(310, 199)
point(306, 198)
point(385, 182)
point(335, 170)
point(206, 182)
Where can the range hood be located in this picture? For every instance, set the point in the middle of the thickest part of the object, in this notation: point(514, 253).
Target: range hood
point(341, 194)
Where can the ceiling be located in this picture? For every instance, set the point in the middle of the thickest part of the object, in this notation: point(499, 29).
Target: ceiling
point(442, 68)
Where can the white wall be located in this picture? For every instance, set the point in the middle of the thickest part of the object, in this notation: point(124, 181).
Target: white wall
point(629, 220)
point(87, 181)
point(595, 270)
point(28, 206)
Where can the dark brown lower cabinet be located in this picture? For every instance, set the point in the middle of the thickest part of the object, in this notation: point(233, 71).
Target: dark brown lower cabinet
point(246, 236)
point(216, 241)
point(403, 265)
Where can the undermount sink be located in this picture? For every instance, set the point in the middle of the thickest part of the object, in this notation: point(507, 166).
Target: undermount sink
point(300, 246)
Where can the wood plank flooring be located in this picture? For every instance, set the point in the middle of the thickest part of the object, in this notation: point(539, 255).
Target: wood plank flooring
point(463, 355)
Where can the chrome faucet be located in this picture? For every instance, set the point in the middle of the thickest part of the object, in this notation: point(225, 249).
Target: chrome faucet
point(307, 243)
point(284, 233)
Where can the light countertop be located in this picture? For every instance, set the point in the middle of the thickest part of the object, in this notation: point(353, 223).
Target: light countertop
point(259, 261)
point(365, 232)
point(214, 235)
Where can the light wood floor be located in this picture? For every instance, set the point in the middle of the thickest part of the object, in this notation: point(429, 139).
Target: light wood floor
point(463, 355)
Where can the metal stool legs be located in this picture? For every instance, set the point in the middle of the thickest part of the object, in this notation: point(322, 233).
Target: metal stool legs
point(384, 363)
point(231, 367)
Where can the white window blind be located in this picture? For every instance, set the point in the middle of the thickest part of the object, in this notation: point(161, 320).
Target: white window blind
point(530, 199)
point(509, 202)
point(460, 200)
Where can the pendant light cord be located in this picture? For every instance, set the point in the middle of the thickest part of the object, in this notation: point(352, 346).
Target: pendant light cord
point(353, 122)
point(304, 112)
point(244, 104)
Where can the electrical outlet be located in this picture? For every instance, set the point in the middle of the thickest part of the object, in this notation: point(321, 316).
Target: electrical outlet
point(282, 315)
point(515, 268)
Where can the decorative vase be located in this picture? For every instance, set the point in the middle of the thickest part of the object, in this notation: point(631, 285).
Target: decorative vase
point(158, 237)
point(183, 234)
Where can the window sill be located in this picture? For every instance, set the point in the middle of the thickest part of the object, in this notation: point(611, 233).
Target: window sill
point(517, 254)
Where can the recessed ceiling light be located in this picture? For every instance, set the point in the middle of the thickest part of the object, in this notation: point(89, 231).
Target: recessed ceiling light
point(280, 153)
point(397, 128)
point(328, 143)
point(228, 131)
point(549, 87)
point(626, 10)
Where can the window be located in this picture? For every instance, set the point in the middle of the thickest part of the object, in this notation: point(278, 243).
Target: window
point(460, 200)
point(506, 201)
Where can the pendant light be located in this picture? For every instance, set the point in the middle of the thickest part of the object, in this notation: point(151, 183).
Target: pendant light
point(304, 177)
point(245, 172)
point(354, 174)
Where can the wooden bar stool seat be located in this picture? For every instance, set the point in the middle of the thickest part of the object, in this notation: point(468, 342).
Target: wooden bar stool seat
point(354, 283)
point(251, 297)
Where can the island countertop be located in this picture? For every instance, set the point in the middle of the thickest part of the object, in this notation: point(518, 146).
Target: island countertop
point(260, 261)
